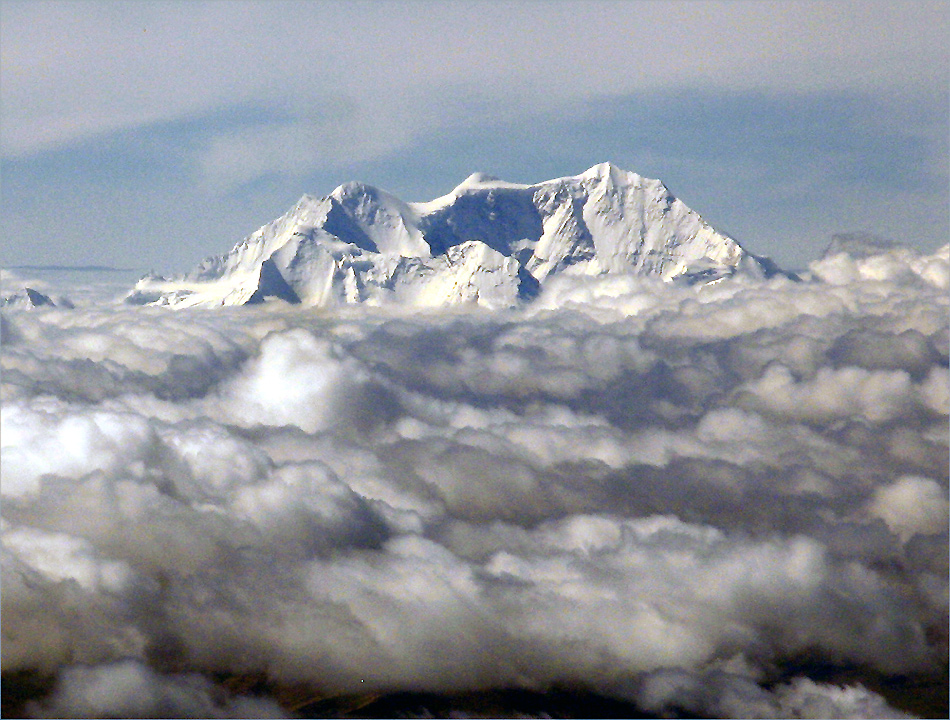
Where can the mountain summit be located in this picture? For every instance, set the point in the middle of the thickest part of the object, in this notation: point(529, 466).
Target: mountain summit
point(488, 241)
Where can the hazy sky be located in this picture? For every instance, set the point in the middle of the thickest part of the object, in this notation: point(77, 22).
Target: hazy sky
point(152, 134)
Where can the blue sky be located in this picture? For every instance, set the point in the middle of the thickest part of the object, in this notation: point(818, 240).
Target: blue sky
point(151, 135)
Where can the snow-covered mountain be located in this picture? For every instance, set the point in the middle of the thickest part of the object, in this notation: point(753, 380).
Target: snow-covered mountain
point(488, 241)
point(26, 298)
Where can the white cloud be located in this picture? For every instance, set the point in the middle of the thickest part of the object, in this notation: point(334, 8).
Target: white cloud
point(292, 382)
point(723, 694)
point(131, 689)
point(43, 442)
point(62, 557)
point(912, 505)
point(849, 392)
point(899, 265)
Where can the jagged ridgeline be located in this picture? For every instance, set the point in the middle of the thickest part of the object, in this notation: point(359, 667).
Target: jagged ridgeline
point(488, 241)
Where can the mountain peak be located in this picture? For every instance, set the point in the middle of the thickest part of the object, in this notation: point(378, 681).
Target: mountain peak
point(479, 178)
point(603, 168)
point(351, 188)
point(611, 174)
point(482, 181)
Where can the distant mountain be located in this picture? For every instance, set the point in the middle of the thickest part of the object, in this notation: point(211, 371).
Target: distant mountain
point(27, 298)
point(859, 245)
point(488, 241)
point(71, 268)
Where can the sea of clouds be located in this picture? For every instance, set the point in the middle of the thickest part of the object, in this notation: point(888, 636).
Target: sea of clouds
point(701, 501)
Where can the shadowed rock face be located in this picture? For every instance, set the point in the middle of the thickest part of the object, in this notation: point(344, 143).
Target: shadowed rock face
point(272, 284)
point(497, 217)
point(487, 242)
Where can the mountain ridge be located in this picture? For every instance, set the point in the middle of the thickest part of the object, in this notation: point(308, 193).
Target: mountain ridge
point(487, 241)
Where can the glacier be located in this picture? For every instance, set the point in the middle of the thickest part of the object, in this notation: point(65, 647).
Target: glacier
point(487, 242)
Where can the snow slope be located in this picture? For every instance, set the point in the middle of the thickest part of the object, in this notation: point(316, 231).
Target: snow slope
point(488, 242)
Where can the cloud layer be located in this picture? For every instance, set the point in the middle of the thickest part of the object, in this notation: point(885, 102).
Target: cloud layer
point(705, 501)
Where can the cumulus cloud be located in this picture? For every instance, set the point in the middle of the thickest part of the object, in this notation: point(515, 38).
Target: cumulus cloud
point(52, 441)
point(912, 505)
point(730, 695)
point(897, 265)
point(130, 689)
point(723, 501)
